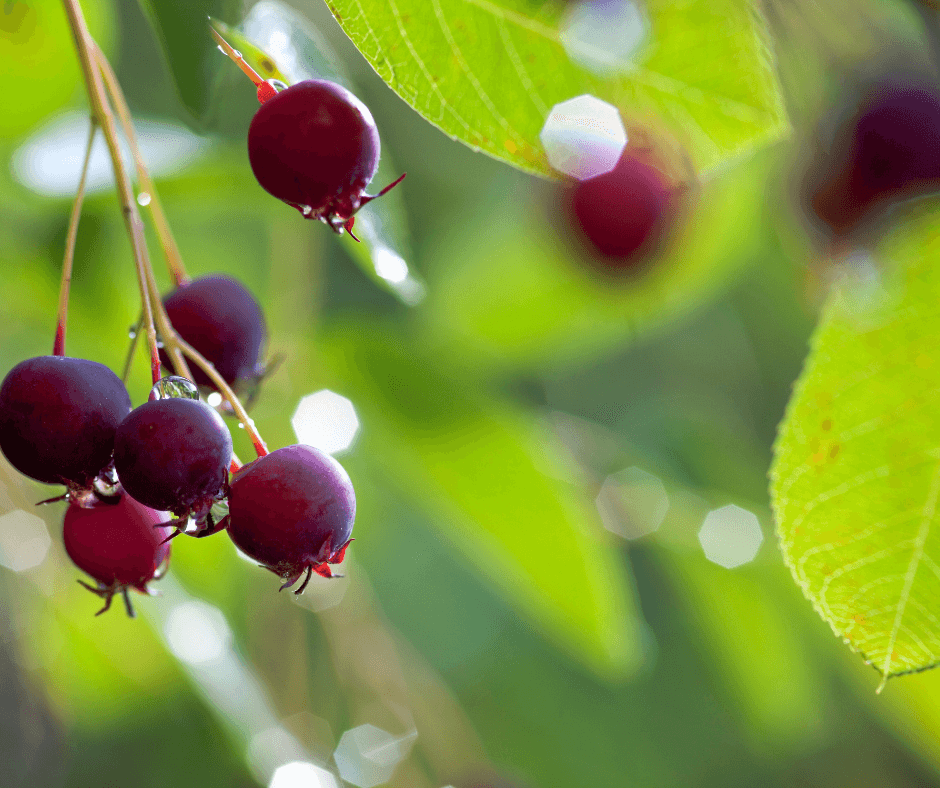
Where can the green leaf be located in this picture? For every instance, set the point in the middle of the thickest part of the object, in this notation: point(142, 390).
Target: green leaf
point(488, 72)
point(479, 469)
point(856, 478)
point(40, 68)
point(182, 29)
point(515, 292)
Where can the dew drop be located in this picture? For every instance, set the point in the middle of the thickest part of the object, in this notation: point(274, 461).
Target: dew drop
point(132, 333)
point(143, 198)
point(222, 50)
point(173, 386)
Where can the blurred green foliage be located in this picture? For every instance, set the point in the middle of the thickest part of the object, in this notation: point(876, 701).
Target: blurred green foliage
point(486, 606)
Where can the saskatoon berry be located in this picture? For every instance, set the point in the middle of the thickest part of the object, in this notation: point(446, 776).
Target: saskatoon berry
point(120, 543)
point(315, 146)
point(888, 150)
point(174, 454)
point(58, 418)
point(623, 214)
point(292, 511)
point(223, 321)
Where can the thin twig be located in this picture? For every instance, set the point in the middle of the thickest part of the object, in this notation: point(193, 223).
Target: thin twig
point(237, 58)
point(171, 252)
point(105, 118)
point(90, 57)
point(58, 346)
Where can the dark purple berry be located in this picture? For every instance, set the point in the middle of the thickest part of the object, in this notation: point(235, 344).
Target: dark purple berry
point(623, 214)
point(886, 151)
point(222, 320)
point(293, 512)
point(173, 455)
point(120, 543)
point(58, 418)
point(315, 146)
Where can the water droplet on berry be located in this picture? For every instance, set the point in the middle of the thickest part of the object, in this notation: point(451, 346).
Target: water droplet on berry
point(143, 198)
point(173, 386)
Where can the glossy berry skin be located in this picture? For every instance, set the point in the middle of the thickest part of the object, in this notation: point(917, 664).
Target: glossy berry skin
point(173, 455)
point(58, 418)
point(316, 147)
point(622, 214)
point(292, 511)
point(223, 321)
point(117, 542)
point(888, 150)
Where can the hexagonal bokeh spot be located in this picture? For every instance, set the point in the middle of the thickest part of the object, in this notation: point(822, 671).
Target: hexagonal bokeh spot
point(24, 540)
point(604, 35)
point(583, 137)
point(301, 774)
point(730, 536)
point(326, 420)
point(197, 633)
point(368, 756)
point(632, 503)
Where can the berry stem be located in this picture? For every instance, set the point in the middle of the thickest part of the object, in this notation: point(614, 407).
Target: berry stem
point(104, 117)
point(90, 59)
point(58, 346)
point(236, 57)
point(171, 252)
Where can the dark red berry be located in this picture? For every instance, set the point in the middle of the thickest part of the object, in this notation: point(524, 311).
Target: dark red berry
point(222, 320)
point(623, 214)
point(293, 512)
point(315, 146)
point(173, 455)
point(886, 151)
point(58, 418)
point(120, 543)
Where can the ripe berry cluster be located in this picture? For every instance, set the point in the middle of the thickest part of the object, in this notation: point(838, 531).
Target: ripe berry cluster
point(136, 478)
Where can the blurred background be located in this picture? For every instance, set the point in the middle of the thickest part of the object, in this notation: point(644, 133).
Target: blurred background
point(565, 571)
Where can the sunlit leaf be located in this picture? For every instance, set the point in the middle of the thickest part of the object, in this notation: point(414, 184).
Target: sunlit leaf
point(488, 72)
point(480, 470)
point(856, 478)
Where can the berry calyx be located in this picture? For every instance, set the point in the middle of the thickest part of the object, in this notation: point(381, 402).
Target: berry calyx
point(293, 512)
point(887, 150)
point(622, 215)
point(58, 419)
point(174, 455)
point(315, 146)
point(223, 321)
point(120, 543)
